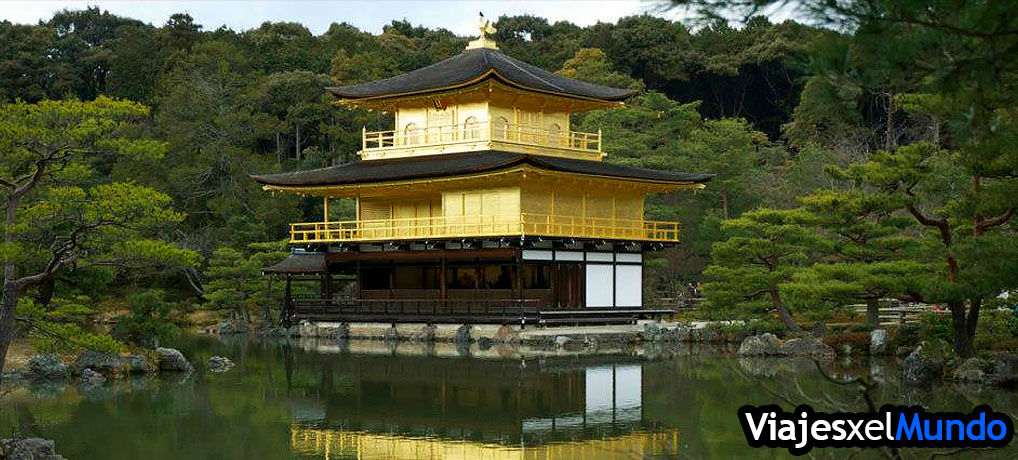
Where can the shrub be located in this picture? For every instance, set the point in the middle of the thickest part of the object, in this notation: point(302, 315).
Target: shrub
point(935, 326)
point(996, 331)
point(148, 324)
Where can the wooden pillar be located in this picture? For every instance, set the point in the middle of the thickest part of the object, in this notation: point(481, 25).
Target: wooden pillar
point(359, 281)
point(441, 279)
point(286, 315)
point(325, 205)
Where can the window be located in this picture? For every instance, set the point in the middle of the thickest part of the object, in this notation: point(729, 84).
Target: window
point(461, 277)
point(554, 134)
point(537, 276)
point(501, 128)
point(471, 128)
point(497, 277)
point(408, 278)
point(375, 278)
point(411, 135)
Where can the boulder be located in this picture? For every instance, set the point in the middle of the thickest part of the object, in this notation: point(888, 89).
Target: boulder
point(463, 334)
point(759, 345)
point(342, 332)
point(99, 361)
point(506, 334)
point(172, 360)
point(923, 365)
point(485, 343)
point(807, 347)
point(1005, 369)
point(391, 334)
point(232, 326)
point(878, 342)
point(90, 377)
point(29, 449)
point(136, 364)
point(428, 333)
point(219, 364)
point(46, 367)
point(970, 370)
point(651, 332)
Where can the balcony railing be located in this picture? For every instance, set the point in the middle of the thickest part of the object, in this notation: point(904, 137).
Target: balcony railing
point(377, 143)
point(482, 226)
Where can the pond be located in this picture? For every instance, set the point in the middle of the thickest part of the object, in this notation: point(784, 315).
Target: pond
point(322, 400)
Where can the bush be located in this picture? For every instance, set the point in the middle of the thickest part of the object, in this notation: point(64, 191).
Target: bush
point(148, 324)
point(934, 326)
point(996, 331)
point(907, 335)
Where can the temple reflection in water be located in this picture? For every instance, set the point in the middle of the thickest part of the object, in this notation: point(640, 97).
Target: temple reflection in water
point(407, 407)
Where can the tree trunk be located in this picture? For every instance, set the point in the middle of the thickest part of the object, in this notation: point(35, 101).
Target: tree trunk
point(724, 204)
point(8, 304)
point(962, 337)
point(873, 312)
point(786, 317)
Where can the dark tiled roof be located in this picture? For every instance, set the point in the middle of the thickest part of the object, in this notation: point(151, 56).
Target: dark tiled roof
point(471, 65)
point(299, 262)
point(457, 164)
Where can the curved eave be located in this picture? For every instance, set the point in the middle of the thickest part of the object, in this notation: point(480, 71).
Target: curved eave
point(381, 100)
point(517, 166)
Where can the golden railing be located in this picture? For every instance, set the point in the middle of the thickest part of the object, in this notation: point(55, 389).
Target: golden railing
point(481, 226)
point(480, 131)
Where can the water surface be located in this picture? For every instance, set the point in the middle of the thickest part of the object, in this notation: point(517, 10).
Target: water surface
point(369, 400)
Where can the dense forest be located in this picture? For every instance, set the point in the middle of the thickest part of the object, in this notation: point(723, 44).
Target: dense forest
point(865, 156)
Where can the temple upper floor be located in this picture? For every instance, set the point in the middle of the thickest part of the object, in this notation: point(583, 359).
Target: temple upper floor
point(480, 100)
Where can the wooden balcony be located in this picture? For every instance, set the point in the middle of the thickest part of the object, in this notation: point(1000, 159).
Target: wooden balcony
point(483, 226)
point(483, 135)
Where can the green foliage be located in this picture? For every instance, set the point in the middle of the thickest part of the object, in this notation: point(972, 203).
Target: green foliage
point(235, 281)
point(148, 324)
point(935, 326)
point(62, 327)
point(764, 250)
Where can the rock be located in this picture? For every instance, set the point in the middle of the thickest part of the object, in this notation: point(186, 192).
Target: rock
point(1005, 369)
point(807, 347)
point(29, 449)
point(845, 349)
point(970, 370)
point(485, 343)
point(651, 332)
point(506, 334)
point(171, 359)
point(391, 334)
point(219, 364)
point(102, 362)
point(561, 341)
point(428, 333)
point(46, 367)
point(342, 332)
point(463, 335)
point(232, 326)
point(90, 377)
point(759, 345)
point(923, 365)
point(136, 364)
point(902, 352)
point(878, 342)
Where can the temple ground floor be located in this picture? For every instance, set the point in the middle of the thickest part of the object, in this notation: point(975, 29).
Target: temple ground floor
point(485, 281)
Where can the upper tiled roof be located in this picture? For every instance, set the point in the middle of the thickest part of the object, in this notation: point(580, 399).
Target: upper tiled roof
point(472, 66)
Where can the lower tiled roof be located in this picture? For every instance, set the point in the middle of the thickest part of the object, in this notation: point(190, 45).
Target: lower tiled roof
point(458, 164)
